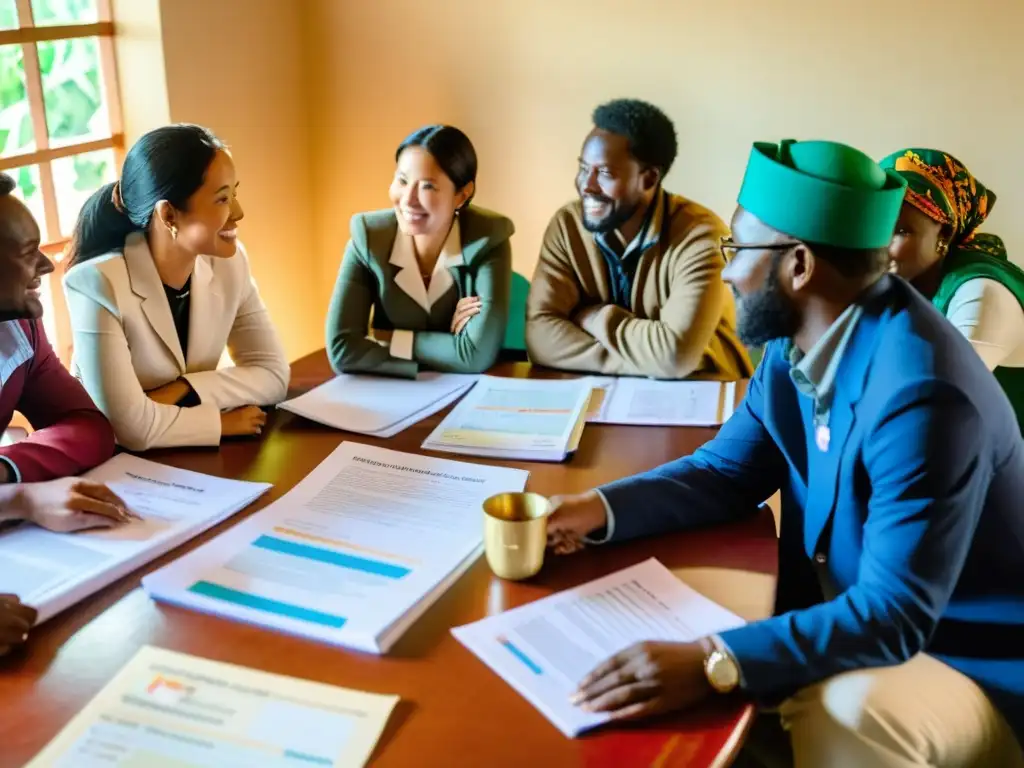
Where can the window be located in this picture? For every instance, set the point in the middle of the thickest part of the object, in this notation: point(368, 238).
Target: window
point(60, 118)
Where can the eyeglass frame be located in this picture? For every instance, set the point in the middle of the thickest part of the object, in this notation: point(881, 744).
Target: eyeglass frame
point(726, 245)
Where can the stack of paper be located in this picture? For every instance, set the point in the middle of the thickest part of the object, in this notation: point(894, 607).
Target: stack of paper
point(528, 419)
point(352, 555)
point(169, 709)
point(377, 405)
point(650, 403)
point(546, 648)
point(52, 571)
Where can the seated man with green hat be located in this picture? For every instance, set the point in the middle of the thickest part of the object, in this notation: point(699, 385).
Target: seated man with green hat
point(898, 634)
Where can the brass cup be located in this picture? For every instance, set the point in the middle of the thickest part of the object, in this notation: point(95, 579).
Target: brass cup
point(515, 534)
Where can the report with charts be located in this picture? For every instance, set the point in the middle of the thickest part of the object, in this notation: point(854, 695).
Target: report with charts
point(505, 418)
point(377, 405)
point(649, 403)
point(170, 710)
point(52, 571)
point(546, 648)
point(352, 555)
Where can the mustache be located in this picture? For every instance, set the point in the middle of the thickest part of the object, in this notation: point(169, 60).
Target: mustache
point(598, 198)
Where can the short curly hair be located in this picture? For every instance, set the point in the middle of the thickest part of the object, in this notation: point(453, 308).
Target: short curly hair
point(7, 184)
point(651, 135)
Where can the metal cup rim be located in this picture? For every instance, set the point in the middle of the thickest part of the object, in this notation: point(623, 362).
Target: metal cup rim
point(530, 494)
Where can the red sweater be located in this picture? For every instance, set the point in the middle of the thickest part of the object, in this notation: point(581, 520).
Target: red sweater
point(71, 435)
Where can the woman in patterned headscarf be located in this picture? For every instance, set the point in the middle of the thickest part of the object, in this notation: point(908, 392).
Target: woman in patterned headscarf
point(966, 274)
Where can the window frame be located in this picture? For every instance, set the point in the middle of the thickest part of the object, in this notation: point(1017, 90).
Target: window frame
point(28, 34)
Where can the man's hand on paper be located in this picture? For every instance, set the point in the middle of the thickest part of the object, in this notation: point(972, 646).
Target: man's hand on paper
point(69, 504)
point(572, 518)
point(645, 679)
point(243, 422)
point(16, 619)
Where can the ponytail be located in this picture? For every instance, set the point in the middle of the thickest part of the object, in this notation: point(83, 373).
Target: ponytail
point(102, 226)
point(167, 163)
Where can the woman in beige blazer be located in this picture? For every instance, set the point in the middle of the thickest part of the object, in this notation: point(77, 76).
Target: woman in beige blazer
point(159, 286)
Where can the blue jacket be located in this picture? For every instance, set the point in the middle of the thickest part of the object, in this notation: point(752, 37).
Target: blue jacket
point(913, 519)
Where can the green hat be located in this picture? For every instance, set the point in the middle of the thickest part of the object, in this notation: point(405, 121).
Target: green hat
point(823, 192)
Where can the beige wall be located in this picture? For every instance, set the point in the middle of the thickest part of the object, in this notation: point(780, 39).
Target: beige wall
point(238, 67)
point(522, 76)
point(314, 95)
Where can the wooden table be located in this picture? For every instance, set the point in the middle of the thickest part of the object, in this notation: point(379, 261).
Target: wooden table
point(454, 710)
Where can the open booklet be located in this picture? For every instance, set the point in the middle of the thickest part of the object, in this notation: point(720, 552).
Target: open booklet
point(52, 571)
point(506, 418)
point(544, 649)
point(172, 710)
point(352, 555)
point(650, 403)
point(377, 405)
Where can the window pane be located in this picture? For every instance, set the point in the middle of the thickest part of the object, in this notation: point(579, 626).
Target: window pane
point(8, 14)
point(51, 12)
point(29, 191)
point(72, 91)
point(77, 177)
point(16, 134)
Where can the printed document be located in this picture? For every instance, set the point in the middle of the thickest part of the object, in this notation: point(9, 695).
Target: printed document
point(170, 710)
point(650, 403)
point(529, 419)
point(377, 405)
point(352, 555)
point(544, 649)
point(52, 571)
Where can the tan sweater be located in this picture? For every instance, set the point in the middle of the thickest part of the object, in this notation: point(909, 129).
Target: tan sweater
point(683, 317)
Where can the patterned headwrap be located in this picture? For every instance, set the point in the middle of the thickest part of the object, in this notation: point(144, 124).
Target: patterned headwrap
point(941, 187)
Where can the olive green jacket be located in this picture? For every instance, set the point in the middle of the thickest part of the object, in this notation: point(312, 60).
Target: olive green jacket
point(379, 286)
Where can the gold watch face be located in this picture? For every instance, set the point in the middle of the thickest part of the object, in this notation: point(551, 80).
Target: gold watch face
point(722, 672)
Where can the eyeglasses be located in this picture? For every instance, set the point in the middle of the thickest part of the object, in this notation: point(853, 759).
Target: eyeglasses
point(730, 248)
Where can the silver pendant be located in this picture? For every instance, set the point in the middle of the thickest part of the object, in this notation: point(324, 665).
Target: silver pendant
point(822, 435)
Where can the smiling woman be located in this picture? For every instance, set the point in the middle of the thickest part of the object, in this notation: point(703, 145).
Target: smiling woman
point(159, 286)
point(432, 275)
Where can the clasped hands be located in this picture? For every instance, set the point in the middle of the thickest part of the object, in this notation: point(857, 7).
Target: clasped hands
point(238, 422)
point(646, 679)
point(467, 308)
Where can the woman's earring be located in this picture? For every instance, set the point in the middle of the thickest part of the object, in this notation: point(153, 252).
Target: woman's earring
point(174, 232)
point(943, 248)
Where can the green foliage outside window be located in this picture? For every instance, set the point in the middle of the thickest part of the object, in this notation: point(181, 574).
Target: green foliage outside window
point(72, 91)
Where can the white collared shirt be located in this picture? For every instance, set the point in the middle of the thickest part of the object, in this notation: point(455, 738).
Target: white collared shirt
point(409, 279)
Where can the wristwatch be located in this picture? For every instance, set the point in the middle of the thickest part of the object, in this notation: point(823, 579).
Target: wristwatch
point(720, 668)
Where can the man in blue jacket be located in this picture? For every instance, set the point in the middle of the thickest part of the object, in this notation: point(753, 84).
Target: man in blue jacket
point(898, 637)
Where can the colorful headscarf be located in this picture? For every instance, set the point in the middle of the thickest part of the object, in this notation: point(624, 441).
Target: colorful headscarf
point(943, 189)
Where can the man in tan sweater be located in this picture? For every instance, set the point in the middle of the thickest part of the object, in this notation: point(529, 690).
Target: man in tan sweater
point(629, 280)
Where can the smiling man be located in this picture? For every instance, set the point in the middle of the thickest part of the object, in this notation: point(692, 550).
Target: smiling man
point(898, 638)
point(71, 435)
point(629, 280)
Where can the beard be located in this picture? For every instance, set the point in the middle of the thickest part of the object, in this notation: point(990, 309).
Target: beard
point(619, 215)
point(766, 315)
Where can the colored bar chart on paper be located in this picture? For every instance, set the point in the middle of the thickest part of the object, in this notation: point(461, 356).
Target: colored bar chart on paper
point(170, 709)
point(352, 555)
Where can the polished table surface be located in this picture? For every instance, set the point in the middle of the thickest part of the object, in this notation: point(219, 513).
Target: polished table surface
point(454, 710)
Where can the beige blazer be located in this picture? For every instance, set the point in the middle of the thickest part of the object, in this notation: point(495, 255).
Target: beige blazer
point(125, 344)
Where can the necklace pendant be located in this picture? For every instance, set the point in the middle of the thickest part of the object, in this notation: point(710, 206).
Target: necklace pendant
point(822, 436)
